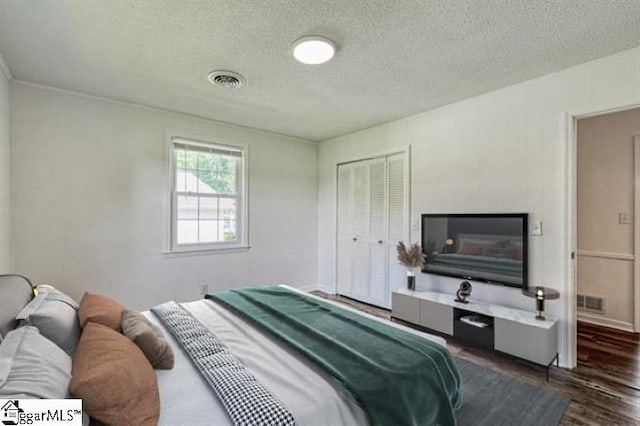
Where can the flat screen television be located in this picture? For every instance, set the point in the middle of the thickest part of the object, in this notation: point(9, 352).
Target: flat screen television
point(490, 248)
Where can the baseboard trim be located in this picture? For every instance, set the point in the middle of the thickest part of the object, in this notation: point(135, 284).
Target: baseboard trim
point(308, 288)
point(326, 290)
point(606, 322)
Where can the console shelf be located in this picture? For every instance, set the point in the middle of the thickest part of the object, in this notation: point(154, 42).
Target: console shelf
point(513, 331)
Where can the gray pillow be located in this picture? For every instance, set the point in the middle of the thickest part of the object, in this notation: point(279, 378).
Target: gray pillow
point(56, 316)
point(15, 293)
point(149, 339)
point(33, 366)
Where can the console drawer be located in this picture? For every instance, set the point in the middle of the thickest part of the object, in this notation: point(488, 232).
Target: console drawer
point(406, 308)
point(535, 344)
point(436, 316)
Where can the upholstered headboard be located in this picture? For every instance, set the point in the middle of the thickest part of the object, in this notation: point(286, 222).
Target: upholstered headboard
point(15, 292)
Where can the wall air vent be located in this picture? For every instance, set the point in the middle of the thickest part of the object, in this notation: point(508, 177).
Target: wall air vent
point(226, 79)
point(590, 303)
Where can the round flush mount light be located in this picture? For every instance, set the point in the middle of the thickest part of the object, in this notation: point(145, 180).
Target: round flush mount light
point(313, 50)
point(226, 79)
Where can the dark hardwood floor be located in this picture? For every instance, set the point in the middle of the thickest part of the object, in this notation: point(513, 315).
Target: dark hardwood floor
point(604, 388)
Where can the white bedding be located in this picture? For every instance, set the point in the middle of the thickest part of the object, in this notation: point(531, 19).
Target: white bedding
point(312, 396)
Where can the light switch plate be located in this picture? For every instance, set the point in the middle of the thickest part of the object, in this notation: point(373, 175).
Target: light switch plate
point(415, 225)
point(536, 228)
point(625, 219)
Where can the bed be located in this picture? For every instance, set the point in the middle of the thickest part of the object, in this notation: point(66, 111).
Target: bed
point(308, 391)
point(490, 257)
point(486, 267)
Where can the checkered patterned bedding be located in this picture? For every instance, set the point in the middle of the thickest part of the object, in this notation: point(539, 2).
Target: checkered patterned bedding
point(247, 402)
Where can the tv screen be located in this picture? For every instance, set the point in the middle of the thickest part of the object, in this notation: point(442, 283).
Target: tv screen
point(491, 248)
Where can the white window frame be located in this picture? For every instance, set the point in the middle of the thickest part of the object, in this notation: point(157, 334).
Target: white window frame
point(242, 223)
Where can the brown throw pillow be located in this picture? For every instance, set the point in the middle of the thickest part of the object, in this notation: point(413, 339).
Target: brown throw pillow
point(149, 339)
point(114, 379)
point(101, 310)
point(473, 249)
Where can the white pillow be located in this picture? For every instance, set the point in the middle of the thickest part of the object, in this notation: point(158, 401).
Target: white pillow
point(15, 293)
point(32, 366)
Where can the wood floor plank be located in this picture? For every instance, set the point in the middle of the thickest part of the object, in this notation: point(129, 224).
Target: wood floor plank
point(604, 388)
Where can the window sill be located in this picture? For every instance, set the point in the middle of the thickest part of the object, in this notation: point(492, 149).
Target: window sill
point(204, 252)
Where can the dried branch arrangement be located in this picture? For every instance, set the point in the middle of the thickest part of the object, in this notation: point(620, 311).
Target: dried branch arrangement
point(411, 257)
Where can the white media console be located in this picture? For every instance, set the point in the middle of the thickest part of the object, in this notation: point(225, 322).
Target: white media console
point(512, 331)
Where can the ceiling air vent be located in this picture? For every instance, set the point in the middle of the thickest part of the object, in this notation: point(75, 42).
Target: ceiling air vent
point(226, 79)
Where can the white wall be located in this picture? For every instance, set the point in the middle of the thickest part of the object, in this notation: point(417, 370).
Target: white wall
point(504, 151)
point(5, 241)
point(89, 201)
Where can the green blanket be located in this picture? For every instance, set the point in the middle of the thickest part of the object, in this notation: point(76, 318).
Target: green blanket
point(397, 377)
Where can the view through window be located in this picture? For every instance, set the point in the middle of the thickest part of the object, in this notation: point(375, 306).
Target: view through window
point(207, 194)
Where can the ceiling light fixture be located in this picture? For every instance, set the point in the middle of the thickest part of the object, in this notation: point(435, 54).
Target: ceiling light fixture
point(313, 50)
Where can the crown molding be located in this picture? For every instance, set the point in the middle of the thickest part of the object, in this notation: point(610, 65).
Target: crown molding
point(132, 104)
point(4, 66)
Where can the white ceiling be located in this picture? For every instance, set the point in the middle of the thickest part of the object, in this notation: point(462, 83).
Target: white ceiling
point(396, 58)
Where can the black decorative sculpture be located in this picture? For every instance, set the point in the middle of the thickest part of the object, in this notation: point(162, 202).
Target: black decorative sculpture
point(463, 292)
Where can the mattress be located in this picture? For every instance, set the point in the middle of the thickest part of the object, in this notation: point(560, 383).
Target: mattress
point(311, 395)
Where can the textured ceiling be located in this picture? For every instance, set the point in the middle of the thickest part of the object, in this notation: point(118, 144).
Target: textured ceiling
point(395, 58)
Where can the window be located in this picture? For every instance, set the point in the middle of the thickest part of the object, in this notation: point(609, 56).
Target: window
point(207, 196)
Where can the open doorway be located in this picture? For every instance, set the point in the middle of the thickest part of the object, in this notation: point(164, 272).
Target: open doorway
point(608, 245)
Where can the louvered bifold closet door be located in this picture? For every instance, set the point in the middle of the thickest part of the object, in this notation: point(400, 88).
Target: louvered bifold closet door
point(344, 258)
point(398, 219)
point(361, 230)
point(378, 263)
point(372, 217)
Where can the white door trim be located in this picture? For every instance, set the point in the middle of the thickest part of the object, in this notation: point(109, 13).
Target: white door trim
point(571, 288)
point(571, 235)
point(636, 233)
